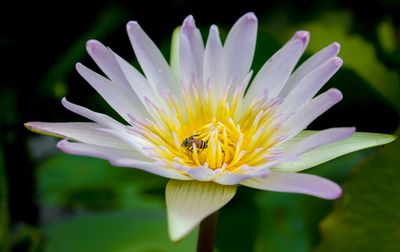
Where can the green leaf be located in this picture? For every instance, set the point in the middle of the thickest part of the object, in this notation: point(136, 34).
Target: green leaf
point(189, 202)
point(74, 181)
point(283, 224)
point(358, 141)
point(367, 217)
point(289, 222)
point(136, 231)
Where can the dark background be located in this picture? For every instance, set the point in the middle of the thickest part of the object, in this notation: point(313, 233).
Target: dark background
point(40, 44)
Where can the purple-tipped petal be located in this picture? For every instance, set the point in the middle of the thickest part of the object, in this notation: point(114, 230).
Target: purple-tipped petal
point(309, 65)
point(139, 84)
point(100, 118)
point(106, 62)
point(303, 36)
point(119, 100)
point(214, 64)
point(90, 133)
point(150, 59)
point(310, 85)
point(191, 52)
point(239, 48)
point(122, 158)
point(296, 183)
point(276, 71)
point(103, 152)
point(310, 112)
point(131, 82)
point(120, 130)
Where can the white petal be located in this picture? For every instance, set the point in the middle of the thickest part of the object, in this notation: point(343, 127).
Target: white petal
point(309, 65)
point(191, 53)
point(142, 88)
point(320, 138)
point(229, 178)
point(90, 133)
point(150, 59)
point(156, 168)
point(100, 118)
point(276, 71)
point(200, 173)
point(310, 112)
point(358, 141)
point(310, 85)
point(102, 152)
point(105, 60)
point(309, 143)
point(296, 183)
point(189, 202)
point(120, 130)
point(114, 96)
point(214, 64)
point(239, 48)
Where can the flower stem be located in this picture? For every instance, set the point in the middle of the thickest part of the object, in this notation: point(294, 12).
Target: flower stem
point(208, 228)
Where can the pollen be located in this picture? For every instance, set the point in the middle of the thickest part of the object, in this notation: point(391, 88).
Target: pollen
point(218, 134)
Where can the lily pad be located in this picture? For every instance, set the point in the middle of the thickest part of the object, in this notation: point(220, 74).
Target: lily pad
point(367, 217)
point(136, 231)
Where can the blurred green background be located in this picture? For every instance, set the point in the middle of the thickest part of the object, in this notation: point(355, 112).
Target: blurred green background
point(54, 202)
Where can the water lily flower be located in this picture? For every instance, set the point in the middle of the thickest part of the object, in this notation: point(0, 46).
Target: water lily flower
point(207, 124)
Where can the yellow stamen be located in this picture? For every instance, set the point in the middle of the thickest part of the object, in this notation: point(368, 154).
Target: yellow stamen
point(219, 138)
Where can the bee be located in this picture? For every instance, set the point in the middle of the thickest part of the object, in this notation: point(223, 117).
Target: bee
point(200, 144)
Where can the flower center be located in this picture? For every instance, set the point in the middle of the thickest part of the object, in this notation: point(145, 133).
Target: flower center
point(218, 134)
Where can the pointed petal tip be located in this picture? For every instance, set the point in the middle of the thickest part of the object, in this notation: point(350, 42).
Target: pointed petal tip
point(303, 36)
point(350, 132)
point(177, 234)
point(60, 145)
point(79, 66)
point(338, 61)
point(189, 202)
point(28, 124)
point(65, 102)
point(335, 94)
point(132, 25)
point(335, 192)
point(336, 45)
point(214, 30)
point(175, 237)
point(33, 126)
point(94, 47)
point(250, 16)
point(189, 21)
point(92, 43)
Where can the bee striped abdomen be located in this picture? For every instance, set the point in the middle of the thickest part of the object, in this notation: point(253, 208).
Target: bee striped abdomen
point(200, 144)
